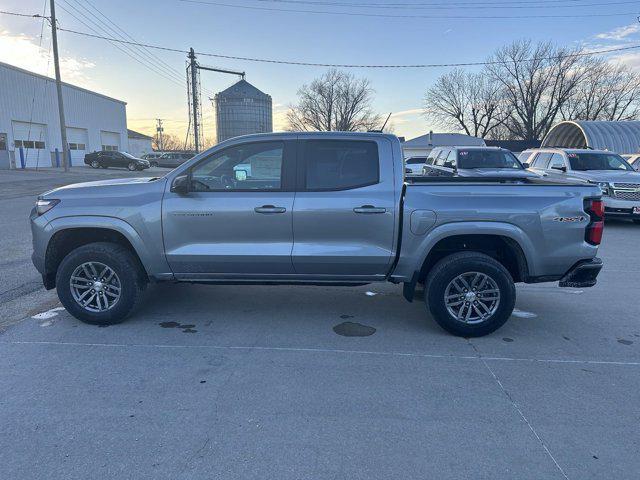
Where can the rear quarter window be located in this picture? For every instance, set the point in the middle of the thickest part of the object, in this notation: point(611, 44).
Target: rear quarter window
point(340, 164)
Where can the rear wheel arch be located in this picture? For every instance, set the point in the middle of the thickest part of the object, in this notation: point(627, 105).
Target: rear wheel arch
point(502, 248)
point(64, 241)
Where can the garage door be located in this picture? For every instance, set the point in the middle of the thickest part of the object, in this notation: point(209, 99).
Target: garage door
point(32, 137)
point(110, 140)
point(77, 139)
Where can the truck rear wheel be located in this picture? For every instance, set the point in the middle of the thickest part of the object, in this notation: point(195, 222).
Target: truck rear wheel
point(100, 283)
point(470, 294)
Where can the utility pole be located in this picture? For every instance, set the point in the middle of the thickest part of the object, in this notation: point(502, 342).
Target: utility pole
point(56, 63)
point(194, 97)
point(159, 130)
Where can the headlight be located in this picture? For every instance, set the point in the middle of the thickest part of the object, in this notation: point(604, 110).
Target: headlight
point(43, 206)
point(604, 187)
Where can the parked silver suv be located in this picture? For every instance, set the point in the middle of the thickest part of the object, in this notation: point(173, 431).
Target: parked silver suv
point(619, 183)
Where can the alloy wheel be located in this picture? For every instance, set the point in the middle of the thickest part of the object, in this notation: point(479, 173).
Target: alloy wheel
point(95, 286)
point(472, 297)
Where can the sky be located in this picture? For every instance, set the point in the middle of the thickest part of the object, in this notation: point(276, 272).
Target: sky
point(402, 34)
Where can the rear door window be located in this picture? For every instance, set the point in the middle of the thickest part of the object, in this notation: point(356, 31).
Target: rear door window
point(340, 164)
point(542, 160)
point(442, 156)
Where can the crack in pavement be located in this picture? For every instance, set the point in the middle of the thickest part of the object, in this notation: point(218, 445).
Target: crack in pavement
point(519, 410)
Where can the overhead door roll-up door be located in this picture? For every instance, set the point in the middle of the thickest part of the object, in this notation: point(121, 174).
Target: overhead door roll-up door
point(110, 140)
point(32, 137)
point(77, 139)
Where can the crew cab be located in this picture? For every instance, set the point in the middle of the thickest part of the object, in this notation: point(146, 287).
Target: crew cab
point(619, 183)
point(320, 209)
point(474, 162)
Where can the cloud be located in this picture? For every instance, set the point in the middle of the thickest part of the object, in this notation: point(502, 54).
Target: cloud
point(280, 122)
point(619, 33)
point(406, 116)
point(631, 60)
point(24, 52)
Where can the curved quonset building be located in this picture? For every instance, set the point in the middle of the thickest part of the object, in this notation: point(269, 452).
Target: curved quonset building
point(242, 109)
point(619, 137)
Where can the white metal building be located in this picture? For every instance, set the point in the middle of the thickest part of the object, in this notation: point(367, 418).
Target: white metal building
point(29, 120)
point(139, 143)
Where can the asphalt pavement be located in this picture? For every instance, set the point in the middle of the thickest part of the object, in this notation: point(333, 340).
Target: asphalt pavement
point(292, 382)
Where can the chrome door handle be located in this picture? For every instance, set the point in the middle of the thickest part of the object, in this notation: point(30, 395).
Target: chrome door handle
point(369, 209)
point(269, 209)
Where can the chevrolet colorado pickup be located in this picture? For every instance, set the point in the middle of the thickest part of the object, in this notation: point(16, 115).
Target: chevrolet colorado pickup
point(321, 209)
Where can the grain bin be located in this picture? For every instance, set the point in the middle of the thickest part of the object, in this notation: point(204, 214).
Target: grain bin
point(242, 109)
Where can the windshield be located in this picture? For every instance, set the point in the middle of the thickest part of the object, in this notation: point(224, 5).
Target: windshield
point(128, 155)
point(597, 161)
point(487, 159)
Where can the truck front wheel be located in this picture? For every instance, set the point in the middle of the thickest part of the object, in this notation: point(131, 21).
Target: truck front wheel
point(470, 294)
point(100, 283)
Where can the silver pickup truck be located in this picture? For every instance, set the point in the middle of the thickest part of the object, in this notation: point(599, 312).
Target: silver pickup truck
point(321, 209)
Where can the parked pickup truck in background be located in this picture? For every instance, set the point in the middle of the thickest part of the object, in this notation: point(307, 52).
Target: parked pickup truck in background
point(317, 208)
point(474, 162)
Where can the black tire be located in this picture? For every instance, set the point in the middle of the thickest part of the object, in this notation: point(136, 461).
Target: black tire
point(450, 267)
point(132, 167)
point(154, 164)
point(95, 164)
point(127, 268)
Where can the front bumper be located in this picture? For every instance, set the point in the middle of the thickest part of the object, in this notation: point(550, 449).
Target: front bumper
point(583, 274)
point(617, 208)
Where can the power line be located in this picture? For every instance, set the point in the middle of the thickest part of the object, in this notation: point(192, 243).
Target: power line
point(115, 42)
point(18, 14)
point(144, 56)
point(339, 65)
point(451, 5)
point(542, 3)
point(384, 15)
point(348, 65)
point(114, 27)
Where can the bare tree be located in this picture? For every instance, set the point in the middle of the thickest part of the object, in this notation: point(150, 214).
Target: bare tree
point(471, 102)
point(336, 101)
point(607, 92)
point(169, 142)
point(537, 82)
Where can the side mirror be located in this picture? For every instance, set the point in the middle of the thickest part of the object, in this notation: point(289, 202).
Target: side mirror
point(562, 168)
point(241, 175)
point(526, 164)
point(180, 185)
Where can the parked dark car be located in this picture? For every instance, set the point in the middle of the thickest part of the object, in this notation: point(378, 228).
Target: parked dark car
point(171, 159)
point(474, 162)
point(107, 158)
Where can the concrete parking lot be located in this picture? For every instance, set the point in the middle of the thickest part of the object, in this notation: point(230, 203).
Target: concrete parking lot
point(268, 382)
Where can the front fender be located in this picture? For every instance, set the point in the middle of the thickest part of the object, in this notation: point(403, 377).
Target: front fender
point(150, 252)
point(416, 248)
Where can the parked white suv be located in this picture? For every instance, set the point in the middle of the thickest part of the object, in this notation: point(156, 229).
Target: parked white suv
point(619, 182)
point(413, 165)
